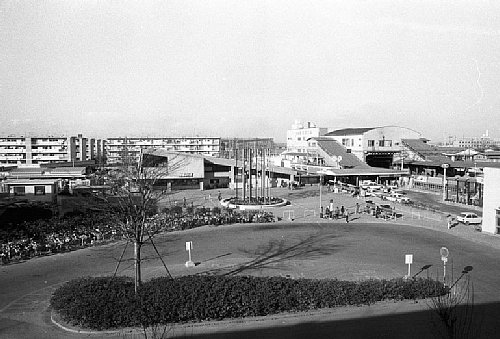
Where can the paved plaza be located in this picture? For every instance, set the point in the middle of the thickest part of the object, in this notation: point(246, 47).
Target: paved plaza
point(300, 245)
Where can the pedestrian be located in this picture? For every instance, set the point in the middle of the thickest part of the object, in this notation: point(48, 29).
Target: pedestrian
point(219, 196)
point(357, 208)
point(450, 221)
point(347, 217)
point(342, 210)
point(337, 212)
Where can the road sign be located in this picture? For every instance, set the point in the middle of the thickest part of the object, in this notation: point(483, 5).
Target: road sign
point(409, 259)
point(444, 254)
point(189, 247)
point(444, 257)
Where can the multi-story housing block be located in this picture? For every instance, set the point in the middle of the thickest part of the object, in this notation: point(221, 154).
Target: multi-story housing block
point(123, 150)
point(29, 150)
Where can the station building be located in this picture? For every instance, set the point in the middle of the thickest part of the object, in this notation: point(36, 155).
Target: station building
point(376, 146)
point(196, 171)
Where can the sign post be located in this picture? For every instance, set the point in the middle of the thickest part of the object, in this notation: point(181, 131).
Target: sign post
point(409, 261)
point(189, 247)
point(444, 257)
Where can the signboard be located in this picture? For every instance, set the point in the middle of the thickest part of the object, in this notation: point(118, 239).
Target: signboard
point(409, 259)
point(189, 245)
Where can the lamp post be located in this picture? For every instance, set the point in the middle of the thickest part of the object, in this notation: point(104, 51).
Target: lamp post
point(321, 173)
point(320, 199)
point(444, 166)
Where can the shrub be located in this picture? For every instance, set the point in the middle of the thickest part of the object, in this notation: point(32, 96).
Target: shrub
point(102, 303)
point(98, 303)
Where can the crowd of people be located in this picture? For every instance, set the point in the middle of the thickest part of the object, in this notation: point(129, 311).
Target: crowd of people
point(55, 235)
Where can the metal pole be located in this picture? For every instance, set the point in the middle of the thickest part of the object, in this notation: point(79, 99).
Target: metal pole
point(444, 272)
point(320, 200)
point(236, 174)
point(444, 185)
point(250, 174)
point(244, 173)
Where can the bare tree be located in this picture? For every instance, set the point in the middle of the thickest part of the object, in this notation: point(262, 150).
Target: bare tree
point(455, 310)
point(136, 193)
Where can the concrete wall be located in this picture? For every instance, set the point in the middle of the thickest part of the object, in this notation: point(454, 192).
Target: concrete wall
point(491, 199)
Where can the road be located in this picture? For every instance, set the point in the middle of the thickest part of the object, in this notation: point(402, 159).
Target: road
point(358, 250)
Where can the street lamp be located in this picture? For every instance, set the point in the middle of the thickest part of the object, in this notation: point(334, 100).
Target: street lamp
point(444, 166)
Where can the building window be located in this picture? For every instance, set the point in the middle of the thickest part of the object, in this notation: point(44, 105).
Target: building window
point(381, 143)
point(371, 143)
point(388, 143)
point(346, 142)
point(39, 190)
point(19, 190)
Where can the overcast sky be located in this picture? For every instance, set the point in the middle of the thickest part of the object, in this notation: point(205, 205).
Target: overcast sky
point(248, 68)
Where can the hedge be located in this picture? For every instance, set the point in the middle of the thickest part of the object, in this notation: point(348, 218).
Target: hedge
point(107, 302)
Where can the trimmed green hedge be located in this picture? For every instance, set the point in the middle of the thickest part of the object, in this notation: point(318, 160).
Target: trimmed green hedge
point(106, 302)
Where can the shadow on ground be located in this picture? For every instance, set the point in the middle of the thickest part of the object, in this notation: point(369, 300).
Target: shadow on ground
point(276, 253)
point(421, 324)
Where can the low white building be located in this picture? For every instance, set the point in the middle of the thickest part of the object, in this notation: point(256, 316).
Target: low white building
point(491, 200)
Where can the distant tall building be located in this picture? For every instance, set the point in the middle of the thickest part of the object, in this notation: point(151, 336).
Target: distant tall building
point(29, 150)
point(296, 137)
point(123, 150)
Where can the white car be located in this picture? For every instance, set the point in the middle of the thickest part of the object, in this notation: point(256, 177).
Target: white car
point(469, 218)
point(398, 197)
point(370, 185)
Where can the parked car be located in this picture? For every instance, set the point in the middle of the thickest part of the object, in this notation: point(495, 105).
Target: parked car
point(469, 218)
point(370, 185)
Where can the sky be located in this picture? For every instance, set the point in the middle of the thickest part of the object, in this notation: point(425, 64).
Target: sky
point(248, 68)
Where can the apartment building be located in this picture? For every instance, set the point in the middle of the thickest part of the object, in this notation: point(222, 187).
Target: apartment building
point(30, 150)
point(124, 150)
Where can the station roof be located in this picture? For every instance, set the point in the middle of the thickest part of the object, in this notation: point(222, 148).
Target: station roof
point(334, 148)
point(382, 172)
point(349, 131)
point(30, 181)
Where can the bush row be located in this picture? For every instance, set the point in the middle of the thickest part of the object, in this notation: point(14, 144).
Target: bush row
point(106, 302)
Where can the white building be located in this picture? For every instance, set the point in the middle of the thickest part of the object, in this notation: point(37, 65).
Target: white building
point(491, 200)
point(21, 150)
point(374, 145)
point(296, 138)
point(125, 150)
point(482, 142)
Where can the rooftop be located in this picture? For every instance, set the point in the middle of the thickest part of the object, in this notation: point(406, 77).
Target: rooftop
point(350, 131)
